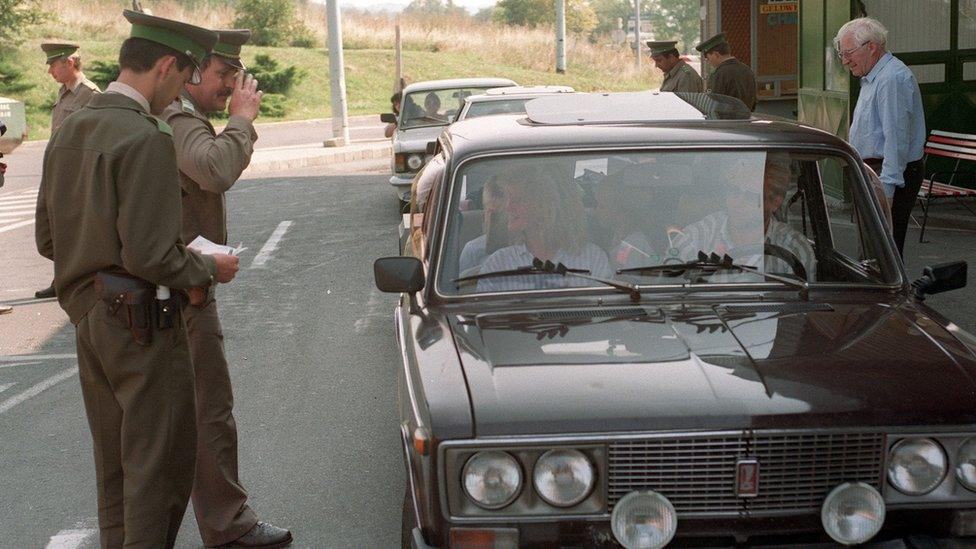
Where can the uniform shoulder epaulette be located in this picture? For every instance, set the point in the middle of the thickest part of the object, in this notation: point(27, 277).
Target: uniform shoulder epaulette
point(187, 106)
point(91, 85)
point(162, 126)
point(686, 68)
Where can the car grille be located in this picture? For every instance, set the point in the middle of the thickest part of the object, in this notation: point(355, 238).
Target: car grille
point(697, 472)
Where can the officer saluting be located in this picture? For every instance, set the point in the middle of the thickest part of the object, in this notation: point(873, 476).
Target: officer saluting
point(731, 76)
point(678, 75)
point(109, 204)
point(209, 165)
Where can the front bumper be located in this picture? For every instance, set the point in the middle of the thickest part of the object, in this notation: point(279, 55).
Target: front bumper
point(402, 182)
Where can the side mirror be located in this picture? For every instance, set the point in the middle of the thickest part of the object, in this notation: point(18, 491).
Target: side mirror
point(388, 117)
point(431, 148)
point(941, 278)
point(398, 274)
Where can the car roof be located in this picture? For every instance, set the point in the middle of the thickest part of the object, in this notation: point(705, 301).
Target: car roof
point(517, 92)
point(605, 125)
point(430, 85)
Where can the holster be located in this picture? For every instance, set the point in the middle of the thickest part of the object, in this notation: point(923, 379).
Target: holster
point(138, 297)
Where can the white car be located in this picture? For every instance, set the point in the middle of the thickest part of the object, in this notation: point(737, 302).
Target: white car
point(508, 100)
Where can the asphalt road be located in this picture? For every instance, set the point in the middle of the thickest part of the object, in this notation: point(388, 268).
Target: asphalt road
point(312, 351)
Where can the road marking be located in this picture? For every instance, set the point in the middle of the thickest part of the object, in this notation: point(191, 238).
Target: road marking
point(372, 311)
point(70, 539)
point(269, 247)
point(17, 201)
point(18, 358)
point(18, 208)
point(12, 364)
point(5, 386)
point(13, 226)
point(38, 389)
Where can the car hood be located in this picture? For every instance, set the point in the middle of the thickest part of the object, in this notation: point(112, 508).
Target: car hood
point(800, 365)
point(416, 139)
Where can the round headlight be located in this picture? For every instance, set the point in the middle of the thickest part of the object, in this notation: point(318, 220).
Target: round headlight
point(492, 479)
point(643, 520)
point(563, 477)
point(966, 464)
point(415, 161)
point(853, 513)
point(916, 466)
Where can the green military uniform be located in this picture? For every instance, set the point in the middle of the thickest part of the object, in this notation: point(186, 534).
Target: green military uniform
point(681, 77)
point(209, 165)
point(109, 202)
point(70, 98)
point(732, 77)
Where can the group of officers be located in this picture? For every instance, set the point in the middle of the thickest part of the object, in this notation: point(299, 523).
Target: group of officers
point(729, 75)
point(131, 175)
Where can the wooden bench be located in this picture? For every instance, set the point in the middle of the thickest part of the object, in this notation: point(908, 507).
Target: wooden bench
point(960, 147)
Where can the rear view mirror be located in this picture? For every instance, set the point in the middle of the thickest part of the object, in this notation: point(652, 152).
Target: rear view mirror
point(388, 117)
point(941, 278)
point(398, 274)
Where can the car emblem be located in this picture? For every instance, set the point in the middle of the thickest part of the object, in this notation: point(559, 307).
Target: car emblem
point(747, 478)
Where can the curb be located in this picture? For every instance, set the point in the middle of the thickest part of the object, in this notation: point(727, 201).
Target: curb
point(273, 160)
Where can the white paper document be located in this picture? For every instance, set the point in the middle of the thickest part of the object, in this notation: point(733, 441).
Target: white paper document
point(206, 247)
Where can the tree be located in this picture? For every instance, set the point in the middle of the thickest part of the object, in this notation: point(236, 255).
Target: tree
point(270, 21)
point(608, 11)
point(580, 17)
point(673, 20)
point(16, 16)
point(434, 7)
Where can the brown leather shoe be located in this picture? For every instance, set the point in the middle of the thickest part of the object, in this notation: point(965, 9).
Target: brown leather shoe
point(45, 293)
point(264, 535)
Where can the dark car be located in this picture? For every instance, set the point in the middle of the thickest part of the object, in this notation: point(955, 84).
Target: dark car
point(653, 318)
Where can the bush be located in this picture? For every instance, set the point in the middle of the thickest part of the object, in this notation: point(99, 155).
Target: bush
point(12, 79)
point(16, 18)
point(102, 72)
point(302, 37)
point(271, 21)
point(271, 78)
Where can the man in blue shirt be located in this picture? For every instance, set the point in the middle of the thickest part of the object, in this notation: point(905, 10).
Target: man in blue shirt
point(888, 125)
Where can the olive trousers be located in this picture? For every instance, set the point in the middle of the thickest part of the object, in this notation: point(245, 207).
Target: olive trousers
point(219, 500)
point(139, 403)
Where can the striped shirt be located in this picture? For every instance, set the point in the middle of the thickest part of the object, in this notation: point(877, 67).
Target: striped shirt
point(591, 257)
point(711, 234)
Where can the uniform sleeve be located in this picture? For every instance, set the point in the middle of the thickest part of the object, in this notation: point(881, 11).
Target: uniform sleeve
point(42, 223)
point(150, 217)
point(213, 163)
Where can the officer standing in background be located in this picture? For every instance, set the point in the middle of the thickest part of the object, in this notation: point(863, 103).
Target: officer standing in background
point(109, 204)
point(678, 75)
point(64, 65)
point(209, 165)
point(731, 76)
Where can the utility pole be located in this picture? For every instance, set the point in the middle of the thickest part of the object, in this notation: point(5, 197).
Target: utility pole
point(560, 36)
point(398, 59)
point(637, 38)
point(337, 78)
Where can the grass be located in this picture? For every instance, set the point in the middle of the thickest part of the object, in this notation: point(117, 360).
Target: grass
point(433, 48)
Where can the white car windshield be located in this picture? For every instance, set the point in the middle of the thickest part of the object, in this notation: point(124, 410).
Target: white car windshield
point(433, 107)
point(621, 217)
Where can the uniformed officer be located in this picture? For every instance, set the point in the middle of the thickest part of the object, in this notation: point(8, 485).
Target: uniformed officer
point(210, 164)
point(109, 203)
point(730, 76)
point(64, 65)
point(678, 75)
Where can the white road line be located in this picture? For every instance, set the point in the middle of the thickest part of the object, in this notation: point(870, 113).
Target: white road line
point(270, 246)
point(14, 217)
point(17, 201)
point(12, 364)
point(38, 389)
point(13, 226)
point(372, 306)
point(17, 208)
point(70, 539)
point(5, 386)
point(18, 358)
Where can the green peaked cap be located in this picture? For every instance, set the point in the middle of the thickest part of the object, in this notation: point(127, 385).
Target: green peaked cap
point(193, 41)
point(659, 47)
point(56, 50)
point(712, 42)
point(229, 44)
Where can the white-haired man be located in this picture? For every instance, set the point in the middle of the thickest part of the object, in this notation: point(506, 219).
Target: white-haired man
point(888, 125)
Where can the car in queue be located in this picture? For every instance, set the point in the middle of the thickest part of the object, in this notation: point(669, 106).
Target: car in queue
point(508, 100)
point(425, 108)
point(651, 319)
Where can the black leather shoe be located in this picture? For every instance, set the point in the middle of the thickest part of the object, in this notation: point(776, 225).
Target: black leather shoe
point(46, 293)
point(264, 535)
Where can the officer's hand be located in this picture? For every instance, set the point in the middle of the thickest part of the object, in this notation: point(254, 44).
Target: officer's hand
point(196, 296)
point(245, 100)
point(226, 267)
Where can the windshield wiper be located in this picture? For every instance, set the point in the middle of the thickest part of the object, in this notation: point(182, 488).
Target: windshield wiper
point(710, 264)
point(547, 267)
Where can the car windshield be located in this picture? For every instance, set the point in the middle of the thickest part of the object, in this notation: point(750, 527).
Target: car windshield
point(433, 107)
point(498, 106)
point(791, 218)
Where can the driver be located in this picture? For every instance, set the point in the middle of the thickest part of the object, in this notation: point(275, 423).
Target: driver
point(736, 231)
point(546, 220)
point(432, 104)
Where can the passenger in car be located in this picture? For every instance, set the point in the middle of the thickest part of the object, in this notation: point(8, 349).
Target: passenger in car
point(432, 106)
point(495, 229)
point(546, 220)
point(737, 232)
point(620, 210)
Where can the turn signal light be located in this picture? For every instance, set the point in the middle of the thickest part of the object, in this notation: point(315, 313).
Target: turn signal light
point(421, 441)
point(476, 538)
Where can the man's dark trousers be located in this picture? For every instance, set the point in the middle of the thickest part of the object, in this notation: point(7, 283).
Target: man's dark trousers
point(904, 199)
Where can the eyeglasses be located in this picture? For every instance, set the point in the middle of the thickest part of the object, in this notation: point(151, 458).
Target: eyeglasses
point(848, 53)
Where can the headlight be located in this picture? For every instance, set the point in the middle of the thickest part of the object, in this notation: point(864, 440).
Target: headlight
point(853, 513)
point(916, 466)
point(643, 520)
point(563, 477)
point(966, 464)
point(415, 161)
point(492, 479)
